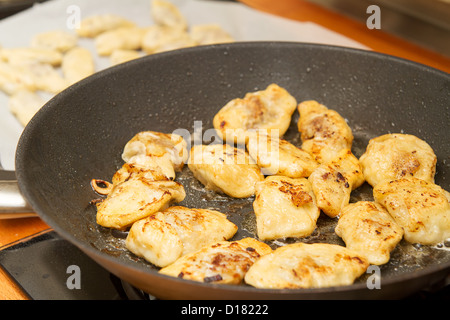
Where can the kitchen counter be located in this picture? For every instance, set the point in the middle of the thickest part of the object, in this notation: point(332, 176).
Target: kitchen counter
point(18, 230)
point(13, 231)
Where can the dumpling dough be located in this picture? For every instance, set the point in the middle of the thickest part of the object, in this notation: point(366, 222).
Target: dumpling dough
point(167, 151)
point(395, 156)
point(209, 34)
point(284, 207)
point(165, 236)
point(136, 199)
point(280, 157)
point(162, 38)
point(24, 104)
point(222, 262)
point(166, 14)
point(420, 207)
point(77, 64)
point(226, 169)
point(301, 265)
point(324, 132)
point(127, 38)
point(368, 229)
point(15, 78)
point(119, 56)
point(333, 182)
point(94, 25)
point(31, 69)
point(59, 40)
point(29, 55)
point(139, 166)
point(269, 109)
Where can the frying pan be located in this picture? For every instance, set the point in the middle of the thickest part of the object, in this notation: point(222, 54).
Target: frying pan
point(80, 134)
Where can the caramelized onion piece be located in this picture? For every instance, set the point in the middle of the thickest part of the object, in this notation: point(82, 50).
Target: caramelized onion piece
point(101, 186)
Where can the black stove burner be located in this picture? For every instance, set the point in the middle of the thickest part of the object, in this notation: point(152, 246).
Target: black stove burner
point(44, 268)
point(132, 293)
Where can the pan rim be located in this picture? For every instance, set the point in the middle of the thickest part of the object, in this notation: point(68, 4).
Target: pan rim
point(28, 194)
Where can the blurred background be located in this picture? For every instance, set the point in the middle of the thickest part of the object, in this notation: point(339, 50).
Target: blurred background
point(422, 22)
point(9, 7)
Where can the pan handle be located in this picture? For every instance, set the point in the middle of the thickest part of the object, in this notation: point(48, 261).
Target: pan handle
point(12, 203)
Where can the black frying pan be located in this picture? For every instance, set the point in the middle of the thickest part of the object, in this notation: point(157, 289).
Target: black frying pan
point(80, 134)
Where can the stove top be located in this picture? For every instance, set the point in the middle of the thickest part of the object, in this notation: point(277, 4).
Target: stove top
point(48, 267)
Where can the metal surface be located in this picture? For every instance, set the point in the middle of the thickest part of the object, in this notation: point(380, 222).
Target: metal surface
point(423, 22)
point(13, 205)
point(43, 267)
point(80, 134)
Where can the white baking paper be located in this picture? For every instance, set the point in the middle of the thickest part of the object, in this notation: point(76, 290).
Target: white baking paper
point(242, 22)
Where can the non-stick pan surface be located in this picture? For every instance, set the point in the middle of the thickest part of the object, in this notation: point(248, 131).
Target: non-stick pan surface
point(80, 134)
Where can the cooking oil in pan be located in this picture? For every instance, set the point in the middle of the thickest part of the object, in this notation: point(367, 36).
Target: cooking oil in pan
point(405, 258)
